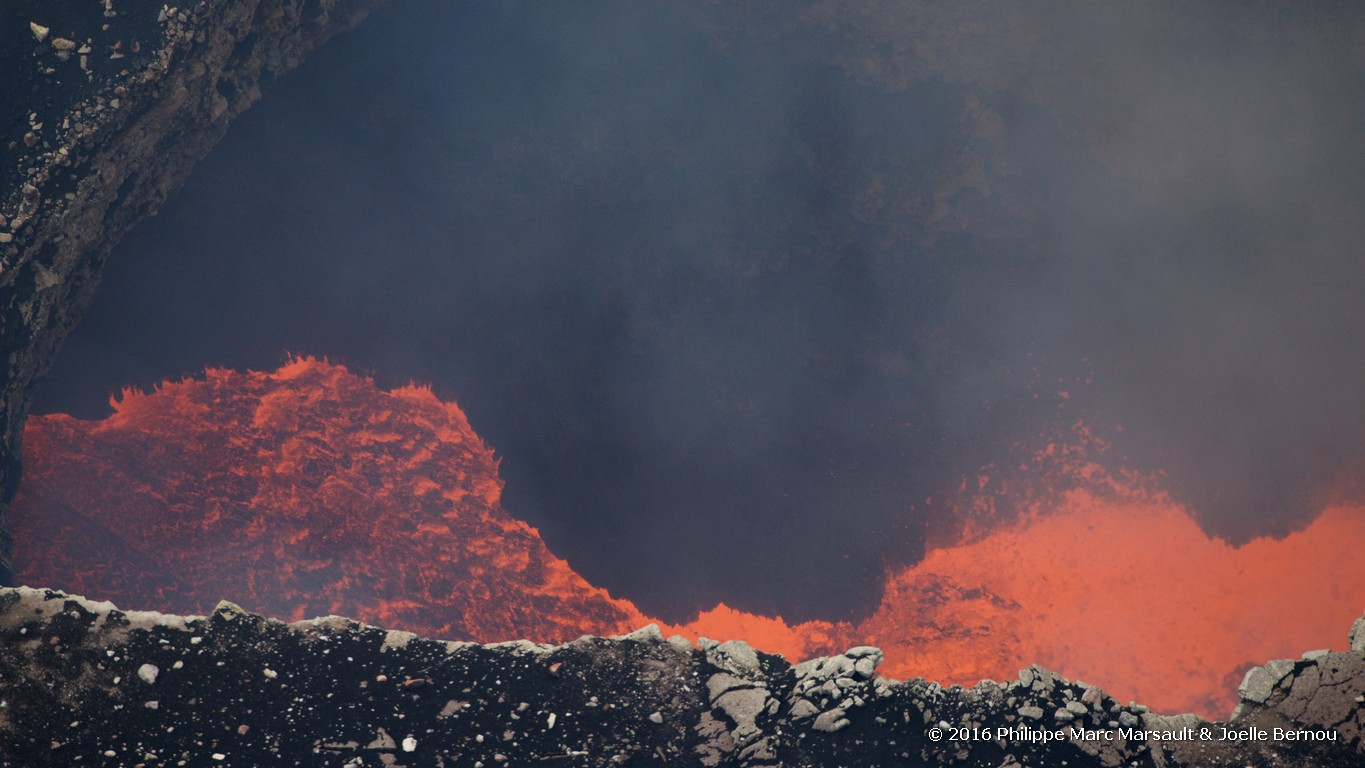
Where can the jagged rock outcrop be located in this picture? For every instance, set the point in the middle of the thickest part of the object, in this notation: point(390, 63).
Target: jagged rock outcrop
point(1322, 688)
point(106, 108)
point(82, 682)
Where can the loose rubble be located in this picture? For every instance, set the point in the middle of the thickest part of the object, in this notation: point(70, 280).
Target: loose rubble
point(84, 683)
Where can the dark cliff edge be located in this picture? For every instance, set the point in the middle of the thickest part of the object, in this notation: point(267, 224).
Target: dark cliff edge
point(83, 683)
point(104, 110)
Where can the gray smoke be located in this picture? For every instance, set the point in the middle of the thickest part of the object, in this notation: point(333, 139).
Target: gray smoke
point(735, 288)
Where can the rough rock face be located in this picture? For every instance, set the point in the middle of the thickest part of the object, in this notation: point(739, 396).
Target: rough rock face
point(85, 683)
point(1322, 687)
point(106, 108)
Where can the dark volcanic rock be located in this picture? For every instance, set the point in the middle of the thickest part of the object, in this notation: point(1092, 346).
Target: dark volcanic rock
point(84, 683)
point(104, 110)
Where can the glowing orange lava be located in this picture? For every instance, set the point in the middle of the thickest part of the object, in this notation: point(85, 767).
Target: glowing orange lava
point(309, 491)
point(297, 493)
point(1125, 593)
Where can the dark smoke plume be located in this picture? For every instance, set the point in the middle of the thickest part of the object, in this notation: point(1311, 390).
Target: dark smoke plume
point(742, 292)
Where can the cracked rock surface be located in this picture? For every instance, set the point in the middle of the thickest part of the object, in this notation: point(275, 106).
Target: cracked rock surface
point(1322, 689)
point(84, 683)
point(104, 109)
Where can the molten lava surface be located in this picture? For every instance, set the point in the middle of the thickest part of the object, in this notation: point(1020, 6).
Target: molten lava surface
point(1128, 594)
point(297, 493)
point(309, 491)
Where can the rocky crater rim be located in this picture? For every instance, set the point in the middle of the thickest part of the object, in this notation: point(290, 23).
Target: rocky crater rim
point(29, 606)
point(81, 677)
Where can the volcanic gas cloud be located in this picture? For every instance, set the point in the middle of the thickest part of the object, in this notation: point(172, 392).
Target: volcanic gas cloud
point(309, 491)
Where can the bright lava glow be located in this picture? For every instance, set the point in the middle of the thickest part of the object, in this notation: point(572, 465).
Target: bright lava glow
point(309, 491)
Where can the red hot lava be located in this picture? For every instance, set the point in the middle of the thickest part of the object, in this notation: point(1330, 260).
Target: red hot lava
point(302, 492)
point(310, 491)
